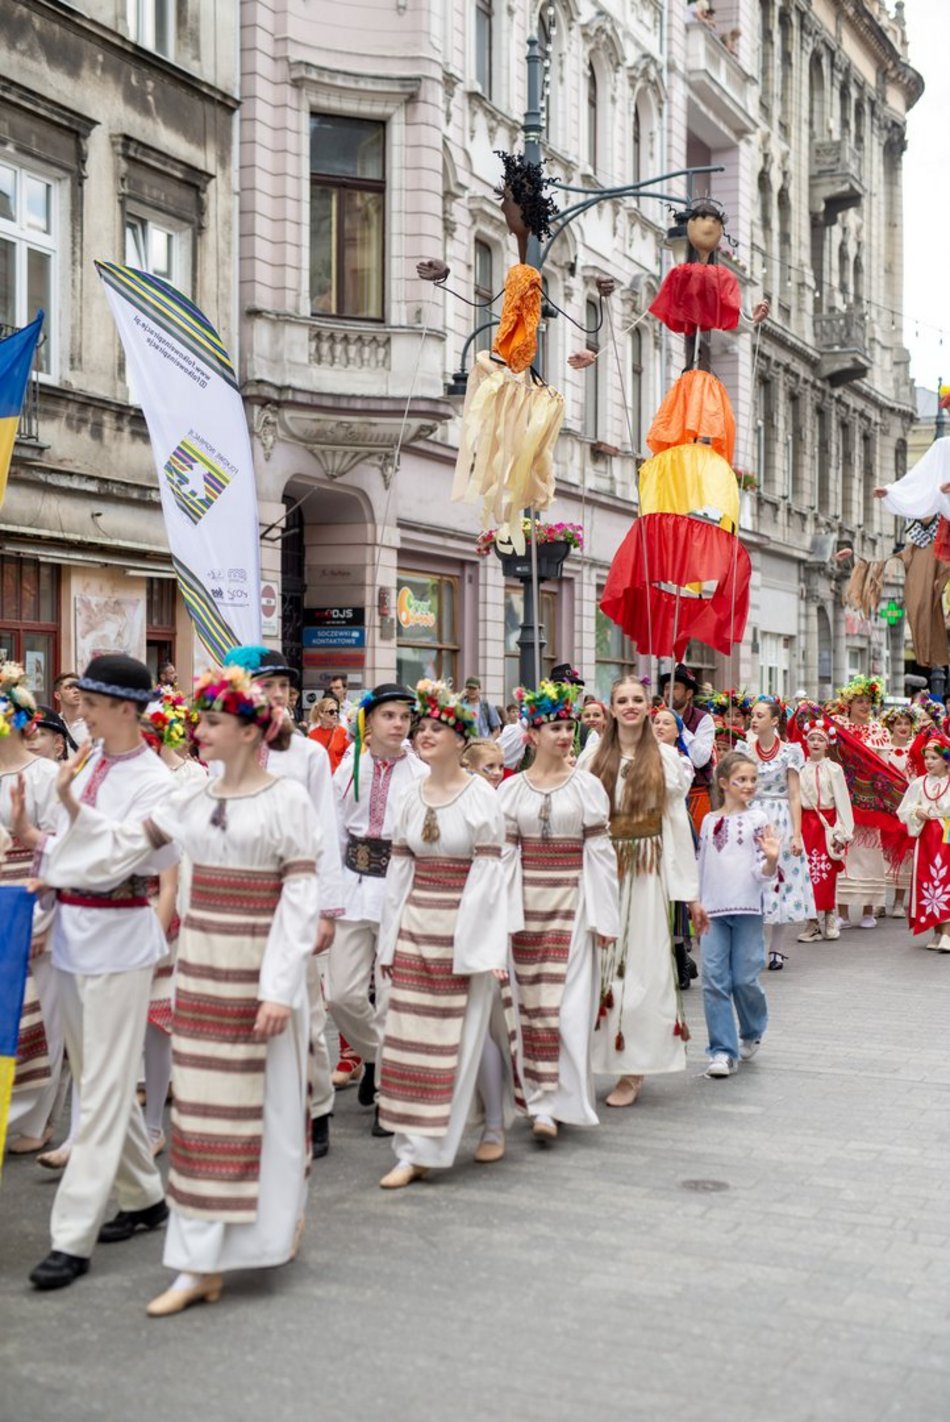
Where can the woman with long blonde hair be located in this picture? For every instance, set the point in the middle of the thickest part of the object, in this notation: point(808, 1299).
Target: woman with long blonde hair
point(640, 1028)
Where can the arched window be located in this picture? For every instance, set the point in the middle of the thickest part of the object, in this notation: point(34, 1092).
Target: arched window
point(636, 389)
point(591, 116)
point(483, 290)
point(484, 21)
point(786, 67)
point(766, 52)
point(844, 273)
point(816, 97)
point(546, 31)
point(857, 281)
point(591, 375)
point(636, 156)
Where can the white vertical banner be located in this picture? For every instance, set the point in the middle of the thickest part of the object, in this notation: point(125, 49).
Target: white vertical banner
point(195, 415)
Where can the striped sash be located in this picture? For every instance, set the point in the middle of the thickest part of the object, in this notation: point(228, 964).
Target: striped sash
point(33, 1066)
point(217, 1064)
point(426, 1005)
point(551, 871)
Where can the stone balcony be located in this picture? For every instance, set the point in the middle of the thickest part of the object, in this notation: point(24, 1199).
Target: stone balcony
point(835, 179)
point(842, 343)
point(722, 94)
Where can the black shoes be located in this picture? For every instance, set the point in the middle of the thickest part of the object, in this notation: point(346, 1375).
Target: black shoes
point(366, 1091)
point(320, 1136)
point(58, 1270)
point(379, 1130)
point(126, 1222)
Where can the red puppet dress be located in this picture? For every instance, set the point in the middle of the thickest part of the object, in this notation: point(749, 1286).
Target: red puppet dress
point(826, 814)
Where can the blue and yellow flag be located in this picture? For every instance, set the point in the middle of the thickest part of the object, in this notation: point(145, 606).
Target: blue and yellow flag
point(16, 362)
point(16, 915)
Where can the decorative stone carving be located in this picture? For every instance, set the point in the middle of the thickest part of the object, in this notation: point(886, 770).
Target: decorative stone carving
point(349, 348)
point(265, 427)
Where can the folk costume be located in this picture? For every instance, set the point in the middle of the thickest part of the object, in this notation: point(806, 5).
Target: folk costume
point(443, 930)
point(40, 1042)
point(790, 898)
point(863, 881)
point(367, 789)
point(240, 1135)
point(563, 891)
point(106, 941)
point(699, 737)
point(827, 821)
point(930, 888)
point(640, 1029)
point(898, 874)
point(305, 762)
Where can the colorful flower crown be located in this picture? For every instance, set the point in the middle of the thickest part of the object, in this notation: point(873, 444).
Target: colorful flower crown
point(871, 686)
point(171, 719)
point(774, 701)
point(553, 701)
point(893, 713)
point(17, 703)
point(436, 701)
point(938, 743)
point(233, 692)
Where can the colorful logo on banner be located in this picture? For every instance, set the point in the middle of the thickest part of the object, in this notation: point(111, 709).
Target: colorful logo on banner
point(195, 480)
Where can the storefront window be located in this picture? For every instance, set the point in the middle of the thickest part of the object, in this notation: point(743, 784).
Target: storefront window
point(160, 623)
point(615, 655)
point(514, 612)
point(29, 620)
point(427, 613)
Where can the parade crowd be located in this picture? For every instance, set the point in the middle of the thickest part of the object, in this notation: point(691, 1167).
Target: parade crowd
point(494, 909)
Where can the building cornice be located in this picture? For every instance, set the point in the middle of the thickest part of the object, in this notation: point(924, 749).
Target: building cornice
point(895, 66)
point(70, 18)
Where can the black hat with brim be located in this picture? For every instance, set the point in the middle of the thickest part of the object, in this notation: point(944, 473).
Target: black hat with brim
point(387, 691)
point(683, 675)
point(566, 675)
point(51, 720)
point(121, 677)
point(275, 664)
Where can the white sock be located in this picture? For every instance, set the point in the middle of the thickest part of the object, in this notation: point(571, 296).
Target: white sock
point(188, 1281)
point(158, 1073)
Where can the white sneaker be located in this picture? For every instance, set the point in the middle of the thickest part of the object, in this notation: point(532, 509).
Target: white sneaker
point(897, 911)
point(844, 923)
point(747, 1050)
point(721, 1065)
point(869, 921)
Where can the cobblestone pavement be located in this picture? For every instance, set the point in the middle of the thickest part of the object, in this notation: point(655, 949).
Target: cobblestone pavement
point(772, 1247)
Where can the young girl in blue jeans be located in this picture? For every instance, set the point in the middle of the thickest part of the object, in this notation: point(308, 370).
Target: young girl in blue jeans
point(738, 853)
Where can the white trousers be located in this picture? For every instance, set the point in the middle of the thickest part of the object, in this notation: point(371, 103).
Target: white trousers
point(32, 1108)
point(351, 971)
point(321, 1101)
point(103, 1021)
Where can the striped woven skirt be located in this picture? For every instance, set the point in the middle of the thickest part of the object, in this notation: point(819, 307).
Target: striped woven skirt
point(33, 1067)
point(218, 1065)
point(427, 1004)
point(551, 870)
point(160, 997)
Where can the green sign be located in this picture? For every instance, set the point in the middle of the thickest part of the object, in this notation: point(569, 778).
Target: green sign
point(892, 612)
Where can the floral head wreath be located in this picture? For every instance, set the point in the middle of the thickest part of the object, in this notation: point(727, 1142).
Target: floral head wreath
point(436, 701)
point(17, 703)
point(171, 719)
point(776, 702)
point(870, 686)
point(894, 713)
point(553, 701)
point(232, 692)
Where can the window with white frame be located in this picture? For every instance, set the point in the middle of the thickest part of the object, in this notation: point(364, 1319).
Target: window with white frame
point(591, 375)
point(484, 45)
point(347, 216)
point(775, 664)
point(152, 25)
point(591, 116)
point(483, 292)
point(154, 248)
point(28, 254)
point(636, 389)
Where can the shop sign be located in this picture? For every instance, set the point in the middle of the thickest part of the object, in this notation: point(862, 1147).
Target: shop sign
point(415, 612)
point(334, 636)
point(336, 616)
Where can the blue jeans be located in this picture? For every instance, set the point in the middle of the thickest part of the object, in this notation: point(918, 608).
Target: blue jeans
point(733, 956)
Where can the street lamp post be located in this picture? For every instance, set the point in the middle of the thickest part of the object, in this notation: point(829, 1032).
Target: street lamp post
point(531, 639)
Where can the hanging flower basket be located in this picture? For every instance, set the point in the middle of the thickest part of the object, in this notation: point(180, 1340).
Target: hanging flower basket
point(554, 542)
point(747, 480)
